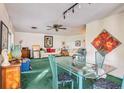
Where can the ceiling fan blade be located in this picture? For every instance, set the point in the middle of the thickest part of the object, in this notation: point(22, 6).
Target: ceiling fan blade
point(62, 28)
point(49, 26)
point(60, 25)
point(56, 30)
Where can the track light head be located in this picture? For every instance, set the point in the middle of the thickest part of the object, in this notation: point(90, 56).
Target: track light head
point(79, 6)
point(89, 3)
point(72, 10)
point(64, 16)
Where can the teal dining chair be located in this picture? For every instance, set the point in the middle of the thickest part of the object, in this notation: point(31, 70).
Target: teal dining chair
point(101, 82)
point(58, 78)
point(99, 59)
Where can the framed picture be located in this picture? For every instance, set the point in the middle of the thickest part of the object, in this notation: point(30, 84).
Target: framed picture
point(48, 41)
point(105, 42)
point(77, 43)
point(3, 36)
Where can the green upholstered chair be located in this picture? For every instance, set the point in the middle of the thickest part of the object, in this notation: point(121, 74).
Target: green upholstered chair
point(58, 78)
point(122, 86)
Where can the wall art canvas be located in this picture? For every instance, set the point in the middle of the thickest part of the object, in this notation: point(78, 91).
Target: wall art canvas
point(3, 36)
point(48, 41)
point(105, 42)
point(77, 43)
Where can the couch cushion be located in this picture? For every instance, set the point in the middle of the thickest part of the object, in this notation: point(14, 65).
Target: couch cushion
point(50, 50)
point(105, 84)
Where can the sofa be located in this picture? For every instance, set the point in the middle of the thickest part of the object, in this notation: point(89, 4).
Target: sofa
point(49, 51)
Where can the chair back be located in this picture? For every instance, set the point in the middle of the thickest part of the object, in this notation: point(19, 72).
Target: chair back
point(122, 86)
point(99, 59)
point(53, 67)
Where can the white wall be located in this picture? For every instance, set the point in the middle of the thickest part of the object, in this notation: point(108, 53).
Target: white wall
point(5, 18)
point(30, 39)
point(70, 41)
point(115, 25)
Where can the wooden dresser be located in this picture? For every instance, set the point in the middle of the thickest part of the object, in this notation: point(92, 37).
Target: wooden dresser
point(10, 76)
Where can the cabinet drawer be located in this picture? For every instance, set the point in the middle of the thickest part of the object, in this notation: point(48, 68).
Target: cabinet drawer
point(11, 77)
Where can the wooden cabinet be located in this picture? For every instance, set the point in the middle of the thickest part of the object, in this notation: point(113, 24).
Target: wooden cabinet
point(25, 52)
point(10, 77)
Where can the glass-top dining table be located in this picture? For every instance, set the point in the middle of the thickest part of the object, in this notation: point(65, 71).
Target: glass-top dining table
point(82, 71)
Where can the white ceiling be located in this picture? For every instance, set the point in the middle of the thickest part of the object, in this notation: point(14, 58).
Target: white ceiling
point(26, 15)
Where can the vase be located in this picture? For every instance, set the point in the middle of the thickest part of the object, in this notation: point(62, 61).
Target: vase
point(16, 52)
point(5, 58)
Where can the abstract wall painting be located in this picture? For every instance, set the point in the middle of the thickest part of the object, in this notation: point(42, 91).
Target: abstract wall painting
point(105, 42)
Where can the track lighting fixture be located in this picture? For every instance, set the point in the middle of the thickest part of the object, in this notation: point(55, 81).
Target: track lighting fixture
point(70, 8)
point(66, 12)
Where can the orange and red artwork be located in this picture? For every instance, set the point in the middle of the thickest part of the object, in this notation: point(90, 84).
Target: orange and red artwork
point(105, 42)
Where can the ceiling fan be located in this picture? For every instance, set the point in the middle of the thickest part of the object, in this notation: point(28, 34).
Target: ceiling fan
point(56, 27)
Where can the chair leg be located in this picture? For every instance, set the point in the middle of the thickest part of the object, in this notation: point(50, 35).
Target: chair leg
point(80, 82)
point(63, 83)
point(77, 80)
point(72, 85)
point(55, 84)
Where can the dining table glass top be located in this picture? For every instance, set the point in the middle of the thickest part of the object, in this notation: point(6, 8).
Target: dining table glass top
point(87, 70)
